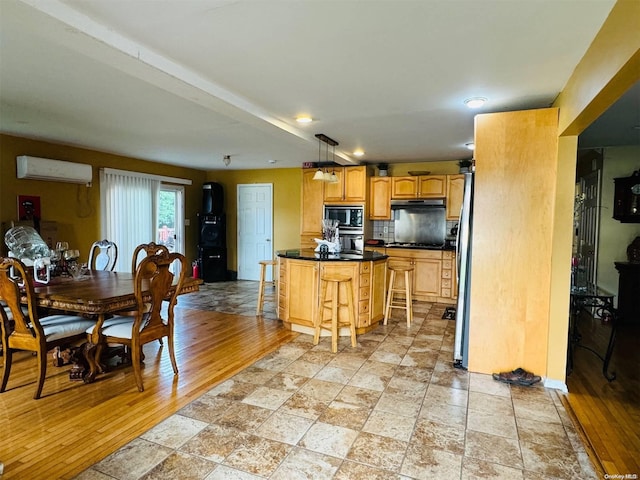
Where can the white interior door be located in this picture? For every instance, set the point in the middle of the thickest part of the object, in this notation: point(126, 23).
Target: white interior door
point(255, 229)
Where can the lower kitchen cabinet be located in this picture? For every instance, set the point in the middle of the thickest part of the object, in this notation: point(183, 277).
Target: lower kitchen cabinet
point(432, 278)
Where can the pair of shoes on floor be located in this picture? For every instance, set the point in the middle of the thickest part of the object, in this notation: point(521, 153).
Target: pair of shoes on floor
point(519, 376)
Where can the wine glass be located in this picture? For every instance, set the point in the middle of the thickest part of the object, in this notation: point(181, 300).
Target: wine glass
point(72, 255)
point(62, 246)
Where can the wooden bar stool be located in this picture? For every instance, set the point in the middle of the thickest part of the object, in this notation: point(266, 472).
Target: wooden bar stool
point(393, 289)
point(263, 275)
point(337, 286)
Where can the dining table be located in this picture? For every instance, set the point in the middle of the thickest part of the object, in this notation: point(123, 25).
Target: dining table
point(99, 294)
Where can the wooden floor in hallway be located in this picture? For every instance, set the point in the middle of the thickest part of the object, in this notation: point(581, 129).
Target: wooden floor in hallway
point(608, 412)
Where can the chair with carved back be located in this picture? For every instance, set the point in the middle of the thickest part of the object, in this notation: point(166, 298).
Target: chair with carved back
point(27, 331)
point(149, 249)
point(153, 275)
point(103, 255)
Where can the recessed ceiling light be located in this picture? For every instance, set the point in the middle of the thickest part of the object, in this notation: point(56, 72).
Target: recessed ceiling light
point(475, 102)
point(358, 153)
point(470, 145)
point(304, 119)
point(272, 161)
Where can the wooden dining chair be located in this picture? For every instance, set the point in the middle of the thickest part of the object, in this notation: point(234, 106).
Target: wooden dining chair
point(152, 276)
point(103, 255)
point(151, 248)
point(27, 331)
point(148, 249)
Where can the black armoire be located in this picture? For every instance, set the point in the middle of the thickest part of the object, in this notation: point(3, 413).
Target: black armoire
point(212, 247)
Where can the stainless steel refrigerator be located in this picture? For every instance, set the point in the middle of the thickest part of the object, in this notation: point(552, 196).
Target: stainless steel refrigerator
point(463, 271)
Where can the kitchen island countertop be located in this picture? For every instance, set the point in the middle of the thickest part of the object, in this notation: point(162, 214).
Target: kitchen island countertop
point(311, 254)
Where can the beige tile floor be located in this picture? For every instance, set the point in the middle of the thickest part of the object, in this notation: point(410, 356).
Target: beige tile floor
point(391, 408)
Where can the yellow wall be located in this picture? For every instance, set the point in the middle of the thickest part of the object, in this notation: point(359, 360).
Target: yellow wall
point(609, 67)
point(435, 168)
point(286, 205)
point(76, 208)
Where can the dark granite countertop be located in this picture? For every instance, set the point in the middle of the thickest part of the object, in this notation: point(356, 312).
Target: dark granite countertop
point(444, 248)
point(310, 254)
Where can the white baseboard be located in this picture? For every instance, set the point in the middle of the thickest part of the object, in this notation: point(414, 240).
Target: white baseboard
point(556, 384)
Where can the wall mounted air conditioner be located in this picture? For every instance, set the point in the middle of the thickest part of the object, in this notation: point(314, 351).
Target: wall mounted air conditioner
point(37, 168)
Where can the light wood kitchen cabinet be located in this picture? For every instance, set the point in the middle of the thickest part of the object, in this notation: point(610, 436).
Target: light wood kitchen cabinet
point(423, 186)
point(404, 187)
point(449, 284)
point(311, 210)
point(427, 277)
point(299, 290)
point(455, 189)
point(380, 198)
point(432, 186)
point(350, 187)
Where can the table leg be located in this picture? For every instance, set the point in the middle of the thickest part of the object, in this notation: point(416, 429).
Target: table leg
point(93, 351)
point(607, 357)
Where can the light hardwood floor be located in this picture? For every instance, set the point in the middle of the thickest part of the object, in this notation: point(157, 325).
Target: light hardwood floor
point(78, 424)
point(608, 412)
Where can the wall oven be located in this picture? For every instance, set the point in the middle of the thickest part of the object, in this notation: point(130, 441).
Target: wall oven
point(350, 217)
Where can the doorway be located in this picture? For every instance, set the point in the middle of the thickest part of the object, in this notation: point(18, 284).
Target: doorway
point(170, 228)
point(255, 228)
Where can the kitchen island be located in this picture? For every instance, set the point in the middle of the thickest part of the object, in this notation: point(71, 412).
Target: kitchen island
point(299, 286)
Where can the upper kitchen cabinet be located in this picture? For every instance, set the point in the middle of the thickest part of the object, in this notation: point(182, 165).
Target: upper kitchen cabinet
point(351, 186)
point(380, 198)
point(455, 188)
point(311, 209)
point(423, 186)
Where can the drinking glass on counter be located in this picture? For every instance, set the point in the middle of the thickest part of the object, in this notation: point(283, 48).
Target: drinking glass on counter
point(71, 256)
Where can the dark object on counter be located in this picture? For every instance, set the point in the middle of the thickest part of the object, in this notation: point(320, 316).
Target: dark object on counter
point(454, 230)
point(633, 251)
point(519, 376)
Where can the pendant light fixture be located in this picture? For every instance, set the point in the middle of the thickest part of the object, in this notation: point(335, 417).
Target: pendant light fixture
point(319, 175)
point(323, 174)
point(333, 178)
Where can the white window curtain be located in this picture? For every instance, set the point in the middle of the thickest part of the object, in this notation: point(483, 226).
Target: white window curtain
point(129, 211)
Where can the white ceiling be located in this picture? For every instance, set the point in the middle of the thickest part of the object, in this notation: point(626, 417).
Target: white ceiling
point(187, 82)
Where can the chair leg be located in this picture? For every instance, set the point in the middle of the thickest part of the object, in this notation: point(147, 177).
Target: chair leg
point(407, 296)
point(352, 320)
point(8, 357)
point(334, 317)
point(387, 311)
point(320, 315)
point(42, 373)
point(261, 290)
point(172, 354)
point(136, 360)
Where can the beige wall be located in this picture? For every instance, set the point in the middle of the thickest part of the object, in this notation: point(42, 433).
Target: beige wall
point(615, 236)
point(76, 208)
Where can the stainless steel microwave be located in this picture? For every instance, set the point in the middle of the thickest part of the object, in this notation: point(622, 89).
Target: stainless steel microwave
point(350, 217)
